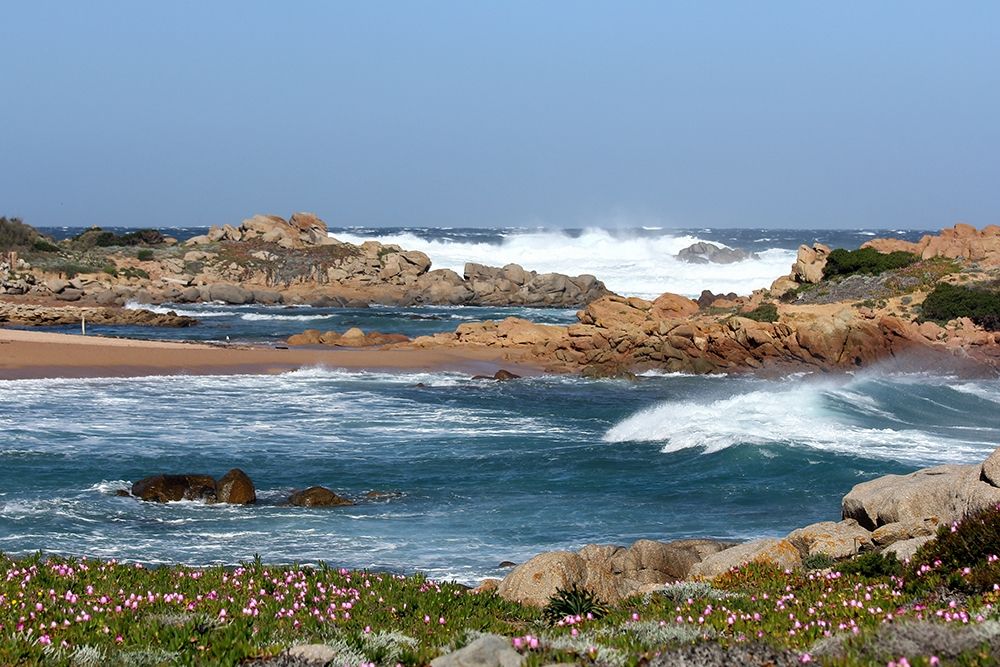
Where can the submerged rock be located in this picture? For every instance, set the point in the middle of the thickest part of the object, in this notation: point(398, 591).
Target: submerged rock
point(317, 496)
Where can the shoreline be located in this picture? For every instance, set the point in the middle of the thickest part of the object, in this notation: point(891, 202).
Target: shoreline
point(44, 355)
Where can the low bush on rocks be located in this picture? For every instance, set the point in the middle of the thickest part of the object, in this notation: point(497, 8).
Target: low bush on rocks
point(964, 557)
point(841, 262)
point(765, 312)
point(949, 302)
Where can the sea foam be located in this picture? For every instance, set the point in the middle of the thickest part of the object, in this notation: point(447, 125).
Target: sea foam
point(817, 415)
point(631, 265)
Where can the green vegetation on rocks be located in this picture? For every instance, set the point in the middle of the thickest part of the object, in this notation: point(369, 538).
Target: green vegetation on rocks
point(841, 262)
point(765, 312)
point(948, 302)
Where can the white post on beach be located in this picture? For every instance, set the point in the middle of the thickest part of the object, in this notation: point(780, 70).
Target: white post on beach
point(83, 324)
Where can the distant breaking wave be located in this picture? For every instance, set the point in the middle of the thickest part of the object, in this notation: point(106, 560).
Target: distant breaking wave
point(633, 265)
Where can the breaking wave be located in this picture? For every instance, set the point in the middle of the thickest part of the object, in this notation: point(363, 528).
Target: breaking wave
point(634, 265)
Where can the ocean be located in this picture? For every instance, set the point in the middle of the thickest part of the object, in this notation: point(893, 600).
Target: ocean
point(472, 473)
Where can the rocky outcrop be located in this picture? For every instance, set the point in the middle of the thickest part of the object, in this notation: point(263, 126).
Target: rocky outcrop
point(301, 230)
point(834, 539)
point(353, 337)
point(613, 573)
point(709, 253)
point(946, 493)
point(172, 488)
point(235, 488)
point(615, 332)
point(807, 268)
point(36, 315)
point(779, 552)
point(317, 496)
point(962, 242)
point(511, 285)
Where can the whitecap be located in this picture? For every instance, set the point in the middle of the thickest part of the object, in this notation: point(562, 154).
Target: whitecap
point(632, 264)
point(799, 415)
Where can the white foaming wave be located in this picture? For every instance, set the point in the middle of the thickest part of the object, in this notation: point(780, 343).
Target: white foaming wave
point(795, 416)
point(635, 266)
point(109, 487)
point(264, 317)
point(987, 393)
point(189, 312)
point(442, 379)
point(656, 373)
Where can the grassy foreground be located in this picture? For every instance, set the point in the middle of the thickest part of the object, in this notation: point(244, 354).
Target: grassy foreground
point(940, 609)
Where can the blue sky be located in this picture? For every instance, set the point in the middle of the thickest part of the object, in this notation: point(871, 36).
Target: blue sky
point(567, 114)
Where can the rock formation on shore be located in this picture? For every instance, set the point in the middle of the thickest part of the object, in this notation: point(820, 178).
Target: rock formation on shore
point(38, 315)
point(830, 324)
point(269, 260)
point(894, 513)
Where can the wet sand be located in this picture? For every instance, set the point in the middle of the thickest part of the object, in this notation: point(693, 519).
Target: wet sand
point(30, 354)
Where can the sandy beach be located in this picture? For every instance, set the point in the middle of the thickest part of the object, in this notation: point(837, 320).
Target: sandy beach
point(30, 354)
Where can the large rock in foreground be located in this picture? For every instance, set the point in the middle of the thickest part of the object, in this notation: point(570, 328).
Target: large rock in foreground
point(613, 573)
point(947, 492)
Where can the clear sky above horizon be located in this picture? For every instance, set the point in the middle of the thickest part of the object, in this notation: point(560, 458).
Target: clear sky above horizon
point(565, 114)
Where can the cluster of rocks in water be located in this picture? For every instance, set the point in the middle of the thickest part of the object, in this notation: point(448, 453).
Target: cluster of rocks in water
point(270, 260)
point(234, 488)
point(894, 514)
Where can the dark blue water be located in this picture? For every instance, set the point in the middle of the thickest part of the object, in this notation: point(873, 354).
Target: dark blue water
point(484, 471)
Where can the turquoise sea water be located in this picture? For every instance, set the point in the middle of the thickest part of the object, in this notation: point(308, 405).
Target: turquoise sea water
point(478, 472)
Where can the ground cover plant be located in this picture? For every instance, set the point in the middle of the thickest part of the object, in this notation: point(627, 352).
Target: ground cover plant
point(78, 612)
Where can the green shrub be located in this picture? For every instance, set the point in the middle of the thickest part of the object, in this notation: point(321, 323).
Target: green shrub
point(41, 245)
point(110, 270)
point(841, 262)
point(574, 601)
point(818, 561)
point(144, 255)
point(95, 236)
point(873, 564)
point(134, 272)
point(765, 312)
point(948, 302)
